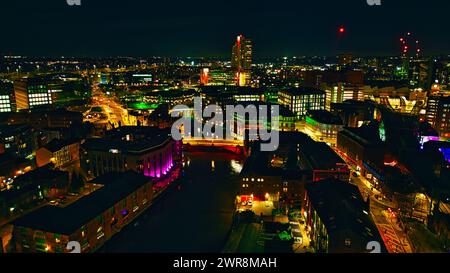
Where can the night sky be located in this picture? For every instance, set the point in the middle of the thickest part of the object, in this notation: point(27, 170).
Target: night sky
point(208, 28)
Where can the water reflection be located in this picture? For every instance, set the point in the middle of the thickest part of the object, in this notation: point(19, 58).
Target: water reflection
point(194, 217)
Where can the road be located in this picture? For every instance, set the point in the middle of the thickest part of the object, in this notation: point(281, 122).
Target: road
point(114, 111)
point(386, 221)
point(382, 211)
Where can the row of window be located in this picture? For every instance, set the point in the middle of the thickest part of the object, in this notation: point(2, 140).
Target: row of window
point(253, 179)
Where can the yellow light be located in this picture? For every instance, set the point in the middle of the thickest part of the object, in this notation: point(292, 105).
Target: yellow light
point(242, 78)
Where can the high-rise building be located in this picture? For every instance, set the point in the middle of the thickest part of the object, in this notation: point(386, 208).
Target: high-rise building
point(204, 76)
point(241, 60)
point(438, 114)
point(32, 92)
point(421, 73)
point(432, 108)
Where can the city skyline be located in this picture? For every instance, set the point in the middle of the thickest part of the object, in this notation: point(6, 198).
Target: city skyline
point(290, 127)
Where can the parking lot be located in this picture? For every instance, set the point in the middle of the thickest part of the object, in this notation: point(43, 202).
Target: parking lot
point(263, 208)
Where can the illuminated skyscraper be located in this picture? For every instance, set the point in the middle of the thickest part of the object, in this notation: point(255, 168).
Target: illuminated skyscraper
point(438, 114)
point(204, 76)
point(241, 60)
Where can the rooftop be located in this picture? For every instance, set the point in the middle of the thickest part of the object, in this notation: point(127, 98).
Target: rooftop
point(258, 163)
point(340, 207)
point(123, 146)
point(283, 110)
point(9, 130)
point(303, 91)
point(231, 90)
point(325, 117)
point(57, 144)
point(42, 173)
point(130, 139)
point(71, 218)
point(319, 156)
point(366, 134)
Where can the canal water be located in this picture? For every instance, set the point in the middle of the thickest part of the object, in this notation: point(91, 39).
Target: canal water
point(194, 216)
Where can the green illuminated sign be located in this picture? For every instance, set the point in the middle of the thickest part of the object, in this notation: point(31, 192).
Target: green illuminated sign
point(142, 105)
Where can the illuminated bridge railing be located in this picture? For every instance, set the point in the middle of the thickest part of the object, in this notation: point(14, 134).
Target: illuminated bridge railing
point(212, 142)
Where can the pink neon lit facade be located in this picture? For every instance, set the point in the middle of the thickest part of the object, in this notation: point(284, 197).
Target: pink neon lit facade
point(153, 161)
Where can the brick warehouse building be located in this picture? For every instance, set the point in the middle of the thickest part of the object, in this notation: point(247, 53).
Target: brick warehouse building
point(91, 221)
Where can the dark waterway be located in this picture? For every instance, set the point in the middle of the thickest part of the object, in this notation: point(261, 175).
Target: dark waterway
point(195, 216)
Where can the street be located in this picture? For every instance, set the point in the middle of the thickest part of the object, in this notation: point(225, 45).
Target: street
point(113, 110)
point(384, 217)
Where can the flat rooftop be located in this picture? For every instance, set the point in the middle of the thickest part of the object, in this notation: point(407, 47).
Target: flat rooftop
point(341, 208)
point(142, 139)
point(117, 186)
point(319, 156)
point(303, 91)
point(324, 117)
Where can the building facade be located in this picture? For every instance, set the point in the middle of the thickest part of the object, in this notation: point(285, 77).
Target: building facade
point(341, 92)
point(17, 140)
point(438, 114)
point(301, 100)
point(7, 99)
point(91, 221)
point(61, 153)
point(359, 145)
point(354, 113)
point(32, 92)
point(337, 218)
point(323, 126)
point(31, 189)
point(241, 60)
point(152, 156)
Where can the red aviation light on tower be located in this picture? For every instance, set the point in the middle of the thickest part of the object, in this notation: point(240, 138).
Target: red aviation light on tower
point(410, 45)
